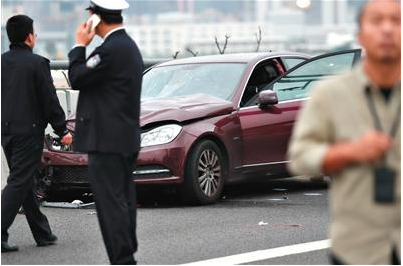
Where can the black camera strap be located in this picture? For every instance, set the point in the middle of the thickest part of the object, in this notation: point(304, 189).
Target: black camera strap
point(377, 120)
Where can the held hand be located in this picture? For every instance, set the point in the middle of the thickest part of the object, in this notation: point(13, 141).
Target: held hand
point(67, 139)
point(84, 34)
point(371, 147)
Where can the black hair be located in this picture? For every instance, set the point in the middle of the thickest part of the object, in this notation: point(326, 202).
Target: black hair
point(111, 18)
point(18, 28)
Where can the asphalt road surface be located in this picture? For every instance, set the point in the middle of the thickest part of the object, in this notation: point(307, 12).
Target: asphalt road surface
point(256, 224)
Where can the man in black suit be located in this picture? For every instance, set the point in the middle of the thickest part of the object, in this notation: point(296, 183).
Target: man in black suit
point(107, 123)
point(28, 104)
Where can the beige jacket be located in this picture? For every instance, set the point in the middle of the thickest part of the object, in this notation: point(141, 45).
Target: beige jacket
point(361, 231)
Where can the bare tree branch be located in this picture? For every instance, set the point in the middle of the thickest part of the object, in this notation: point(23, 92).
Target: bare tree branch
point(218, 45)
point(175, 55)
point(225, 44)
point(193, 53)
point(258, 39)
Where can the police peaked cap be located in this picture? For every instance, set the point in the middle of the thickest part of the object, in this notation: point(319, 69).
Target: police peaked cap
point(113, 7)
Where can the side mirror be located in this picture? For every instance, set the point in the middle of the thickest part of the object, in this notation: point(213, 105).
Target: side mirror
point(267, 97)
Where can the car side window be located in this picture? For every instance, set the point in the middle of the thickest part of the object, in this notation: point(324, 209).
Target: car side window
point(262, 75)
point(291, 62)
point(298, 83)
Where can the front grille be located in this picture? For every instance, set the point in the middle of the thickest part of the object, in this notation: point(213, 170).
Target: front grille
point(79, 174)
point(70, 174)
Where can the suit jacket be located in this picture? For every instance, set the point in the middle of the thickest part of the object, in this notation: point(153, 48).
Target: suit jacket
point(28, 97)
point(109, 82)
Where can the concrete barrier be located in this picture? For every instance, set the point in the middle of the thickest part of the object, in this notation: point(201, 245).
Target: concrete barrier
point(61, 95)
point(64, 100)
point(72, 100)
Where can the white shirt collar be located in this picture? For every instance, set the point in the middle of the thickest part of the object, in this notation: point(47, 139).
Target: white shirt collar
point(112, 31)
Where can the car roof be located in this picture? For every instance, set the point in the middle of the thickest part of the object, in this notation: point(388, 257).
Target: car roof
point(230, 58)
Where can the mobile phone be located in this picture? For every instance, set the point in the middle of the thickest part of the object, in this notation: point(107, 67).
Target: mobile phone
point(95, 21)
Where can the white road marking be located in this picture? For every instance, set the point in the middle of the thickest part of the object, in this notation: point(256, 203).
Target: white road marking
point(276, 199)
point(313, 194)
point(266, 254)
point(280, 189)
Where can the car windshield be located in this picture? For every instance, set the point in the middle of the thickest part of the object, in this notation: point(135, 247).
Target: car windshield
point(215, 79)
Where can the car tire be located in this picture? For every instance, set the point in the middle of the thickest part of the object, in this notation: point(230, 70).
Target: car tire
point(204, 174)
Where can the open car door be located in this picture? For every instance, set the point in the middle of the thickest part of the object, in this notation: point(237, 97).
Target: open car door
point(266, 128)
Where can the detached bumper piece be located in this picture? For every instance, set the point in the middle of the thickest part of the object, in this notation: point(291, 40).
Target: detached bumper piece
point(68, 205)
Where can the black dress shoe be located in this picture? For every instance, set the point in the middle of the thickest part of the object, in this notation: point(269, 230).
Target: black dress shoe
point(5, 247)
point(50, 240)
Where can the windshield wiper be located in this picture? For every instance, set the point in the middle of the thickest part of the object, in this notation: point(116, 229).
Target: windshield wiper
point(67, 79)
point(310, 76)
point(291, 89)
point(297, 88)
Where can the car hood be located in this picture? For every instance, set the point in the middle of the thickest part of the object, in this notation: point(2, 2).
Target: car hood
point(183, 108)
point(179, 109)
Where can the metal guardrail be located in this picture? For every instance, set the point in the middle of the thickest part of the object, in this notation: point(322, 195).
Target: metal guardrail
point(59, 65)
point(64, 64)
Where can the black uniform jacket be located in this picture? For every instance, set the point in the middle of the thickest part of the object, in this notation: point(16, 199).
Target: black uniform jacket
point(28, 97)
point(109, 82)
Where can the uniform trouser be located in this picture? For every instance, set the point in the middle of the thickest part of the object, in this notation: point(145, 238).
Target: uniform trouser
point(111, 179)
point(23, 154)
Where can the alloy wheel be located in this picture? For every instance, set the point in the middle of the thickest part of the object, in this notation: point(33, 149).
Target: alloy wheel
point(209, 172)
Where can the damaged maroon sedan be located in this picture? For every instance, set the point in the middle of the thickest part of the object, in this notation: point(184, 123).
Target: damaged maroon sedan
point(211, 120)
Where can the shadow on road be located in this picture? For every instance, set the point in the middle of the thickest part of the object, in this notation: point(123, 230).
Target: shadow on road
point(273, 188)
point(265, 193)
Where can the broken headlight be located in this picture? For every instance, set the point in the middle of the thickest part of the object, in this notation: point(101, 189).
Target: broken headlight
point(54, 143)
point(160, 135)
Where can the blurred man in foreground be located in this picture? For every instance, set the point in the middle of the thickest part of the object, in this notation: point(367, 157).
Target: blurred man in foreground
point(350, 130)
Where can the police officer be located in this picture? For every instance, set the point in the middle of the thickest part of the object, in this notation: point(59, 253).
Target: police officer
point(28, 104)
point(107, 122)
